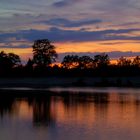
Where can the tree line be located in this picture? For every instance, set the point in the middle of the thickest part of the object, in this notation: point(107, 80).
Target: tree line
point(44, 54)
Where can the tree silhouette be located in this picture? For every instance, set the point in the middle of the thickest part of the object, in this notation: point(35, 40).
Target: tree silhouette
point(70, 61)
point(101, 60)
point(124, 61)
point(29, 63)
point(43, 52)
point(14, 59)
point(136, 61)
point(8, 61)
point(3, 59)
point(86, 62)
point(29, 66)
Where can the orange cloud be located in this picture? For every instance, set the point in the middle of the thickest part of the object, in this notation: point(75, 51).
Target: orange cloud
point(98, 46)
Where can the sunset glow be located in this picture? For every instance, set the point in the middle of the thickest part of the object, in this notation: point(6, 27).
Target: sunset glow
point(124, 46)
point(100, 27)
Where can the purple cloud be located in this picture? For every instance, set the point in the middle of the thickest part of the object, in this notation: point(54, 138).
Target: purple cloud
point(59, 35)
point(62, 22)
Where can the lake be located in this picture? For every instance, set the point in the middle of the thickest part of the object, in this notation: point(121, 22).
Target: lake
point(70, 114)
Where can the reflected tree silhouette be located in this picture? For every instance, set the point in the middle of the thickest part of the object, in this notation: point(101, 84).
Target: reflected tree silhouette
point(42, 115)
point(41, 104)
point(6, 105)
point(100, 98)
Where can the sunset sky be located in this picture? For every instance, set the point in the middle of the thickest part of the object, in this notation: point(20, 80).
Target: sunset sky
point(74, 26)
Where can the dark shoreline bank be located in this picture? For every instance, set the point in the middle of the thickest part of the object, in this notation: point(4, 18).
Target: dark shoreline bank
point(70, 82)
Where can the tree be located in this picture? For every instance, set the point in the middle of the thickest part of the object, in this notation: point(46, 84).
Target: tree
point(136, 61)
point(70, 61)
point(43, 52)
point(124, 61)
point(29, 63)
point(86, 62)
point(14, 60)
point(8, 61)
point(29, 66)
point(101, 60)
point(3, 59)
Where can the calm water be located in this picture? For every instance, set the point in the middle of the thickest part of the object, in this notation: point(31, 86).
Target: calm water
point(70, 114)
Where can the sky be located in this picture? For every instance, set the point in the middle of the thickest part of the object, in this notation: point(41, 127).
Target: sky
point(73, 26)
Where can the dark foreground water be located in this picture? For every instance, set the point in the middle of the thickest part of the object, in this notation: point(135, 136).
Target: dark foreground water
point(70, 114)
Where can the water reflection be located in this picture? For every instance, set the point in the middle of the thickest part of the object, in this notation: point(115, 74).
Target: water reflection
point(42, 114)
point(6, 105)
point(92, 115)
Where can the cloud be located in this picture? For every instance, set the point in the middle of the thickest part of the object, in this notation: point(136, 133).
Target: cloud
point(59, 35)
point(65, 3)
point(62, 22)
point(118, 43)
point(14, 43)
point(61, 4)
point(26, 13)
point(126, 24)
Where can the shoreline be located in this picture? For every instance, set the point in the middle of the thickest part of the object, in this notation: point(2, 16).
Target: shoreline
point(47, 82)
